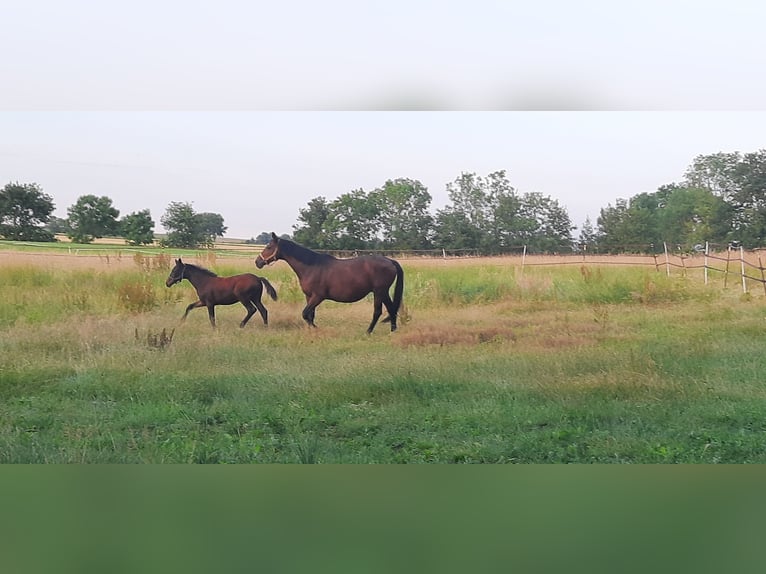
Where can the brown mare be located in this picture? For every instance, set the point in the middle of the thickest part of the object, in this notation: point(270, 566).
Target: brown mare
point(213, 290)
point(323, 277)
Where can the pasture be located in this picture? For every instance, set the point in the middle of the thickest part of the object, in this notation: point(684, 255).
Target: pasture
point(491, 364)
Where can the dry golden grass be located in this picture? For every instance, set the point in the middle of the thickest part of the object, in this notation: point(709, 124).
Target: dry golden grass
point(114, 259)
point(93, 257)
point(513, 325)
point(105, 260)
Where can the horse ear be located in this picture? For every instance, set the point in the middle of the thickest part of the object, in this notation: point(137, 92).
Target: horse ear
point(179, 261)
point(274, 236)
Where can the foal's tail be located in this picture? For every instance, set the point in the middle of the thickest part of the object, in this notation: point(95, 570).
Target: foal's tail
point(269, 289)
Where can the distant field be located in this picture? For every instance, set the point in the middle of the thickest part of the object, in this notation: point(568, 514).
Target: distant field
point(584, 362)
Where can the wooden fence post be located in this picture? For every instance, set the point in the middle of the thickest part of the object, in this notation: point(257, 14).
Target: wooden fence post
point(667, 259)
point(707, 252)
point(760, 266)
point(742, 265)
point(523, 259)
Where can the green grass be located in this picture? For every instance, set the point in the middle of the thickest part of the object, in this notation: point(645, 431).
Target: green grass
point(614, 365)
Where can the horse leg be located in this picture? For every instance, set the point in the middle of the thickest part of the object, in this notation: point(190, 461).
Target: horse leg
point(250, 311)
point(211, 314)
point(262, 310)
point(308, 315)
point(391, 315)
point(376, 313)
point(310, 309)
point(192, 306)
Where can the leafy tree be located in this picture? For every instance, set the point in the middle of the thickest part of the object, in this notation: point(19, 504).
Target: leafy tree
point(397, 213)
point(210, 226)
point(353, 220)
point(749, 201)
point(614, 227)
point(91, 217)
point(588, 238)
point(500, 219)
point(138, 228)
point(403, 206)
point(546, 224)
point(492, 207)
point(674, 214)
point(510, 228)
point(716, 172)
point(642, 223)
point(693, 216)
point(740, 180)
point(23, 207)
point(188, 229)
point(57, 225)
point(312, 229)
point(469, 197)
point(181, 224)
point(454, 230)
point(263, 238)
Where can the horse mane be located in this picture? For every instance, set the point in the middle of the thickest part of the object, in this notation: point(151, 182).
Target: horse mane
point(201, 270)
point(302, 254)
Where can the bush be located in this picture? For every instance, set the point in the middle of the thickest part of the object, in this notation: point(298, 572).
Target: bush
point(137, 296)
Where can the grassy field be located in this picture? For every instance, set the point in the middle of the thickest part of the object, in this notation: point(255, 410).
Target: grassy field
point(491, 364)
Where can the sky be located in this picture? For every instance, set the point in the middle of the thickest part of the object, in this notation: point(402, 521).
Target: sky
point(258, 169)
point(250, 109)
point(398, 54)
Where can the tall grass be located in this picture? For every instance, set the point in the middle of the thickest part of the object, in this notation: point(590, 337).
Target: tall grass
point(548, 365)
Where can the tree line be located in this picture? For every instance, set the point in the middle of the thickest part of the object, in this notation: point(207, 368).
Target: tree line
point(720, 199)
point(487, 214)
point(26, 215)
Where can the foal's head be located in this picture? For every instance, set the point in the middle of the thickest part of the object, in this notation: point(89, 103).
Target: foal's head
point(176, 274)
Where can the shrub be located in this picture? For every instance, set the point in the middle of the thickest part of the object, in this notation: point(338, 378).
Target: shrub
point(137, 296)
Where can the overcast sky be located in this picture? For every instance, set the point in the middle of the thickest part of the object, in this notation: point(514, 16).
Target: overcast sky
point(250, 109)
point(347, 54)
point(257, 169)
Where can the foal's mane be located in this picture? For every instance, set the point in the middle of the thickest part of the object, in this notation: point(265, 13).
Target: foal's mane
point(201, 269)
point(302, 254)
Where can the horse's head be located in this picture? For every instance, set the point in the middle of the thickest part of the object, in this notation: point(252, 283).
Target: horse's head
point(270, 253)
point(176, 274)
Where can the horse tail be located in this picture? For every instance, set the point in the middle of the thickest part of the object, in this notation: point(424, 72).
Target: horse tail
point(269, 289)
point(399, 289)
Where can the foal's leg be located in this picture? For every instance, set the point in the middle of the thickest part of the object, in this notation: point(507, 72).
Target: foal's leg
point(250, 311)
point(192, 306)
point(211, 314)
point(262, 310)
point(254, 298)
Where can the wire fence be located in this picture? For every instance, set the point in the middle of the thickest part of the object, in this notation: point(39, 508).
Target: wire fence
point(745, 265)
point(732, 263)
